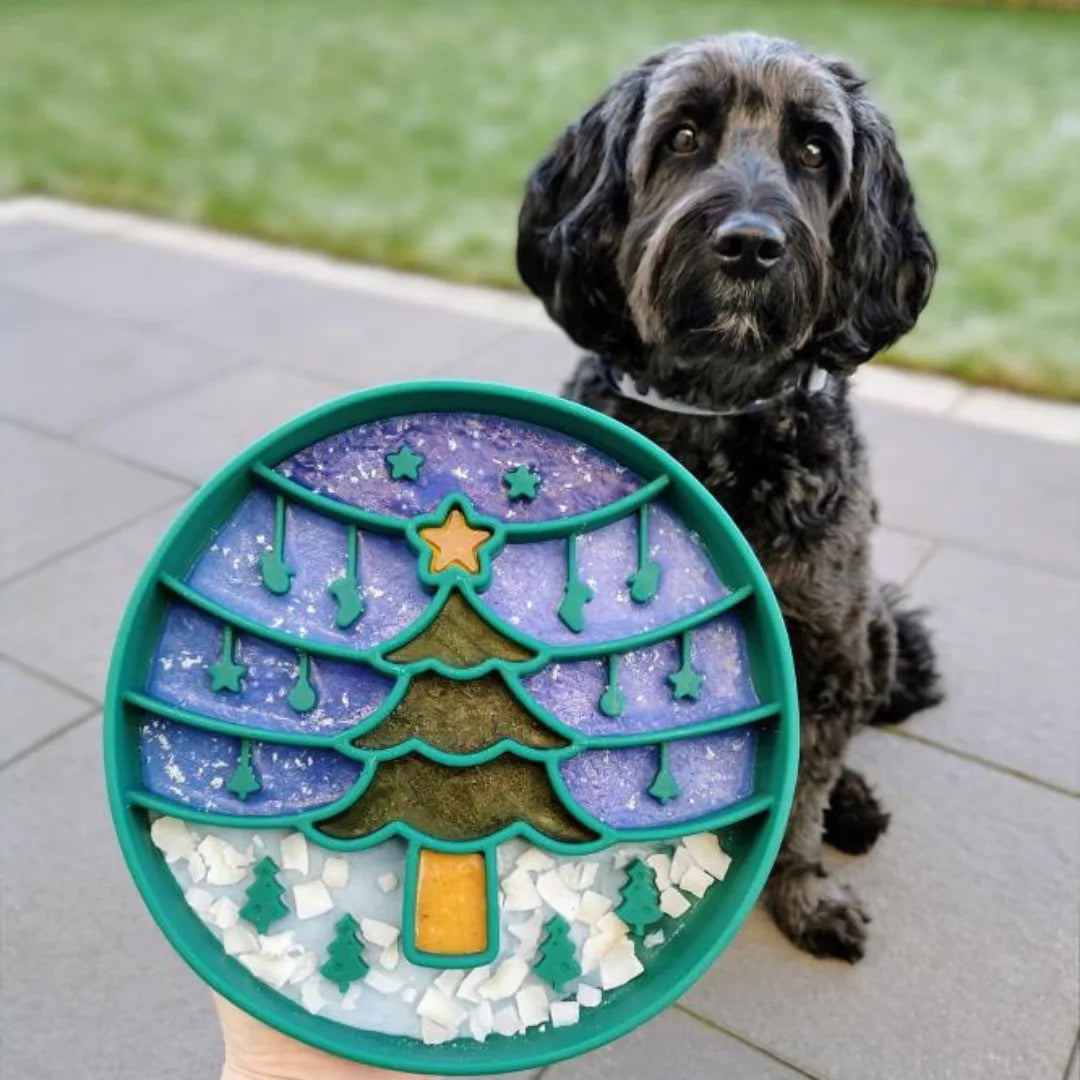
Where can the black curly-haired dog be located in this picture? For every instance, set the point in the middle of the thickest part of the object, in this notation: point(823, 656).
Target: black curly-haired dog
point(730, 232)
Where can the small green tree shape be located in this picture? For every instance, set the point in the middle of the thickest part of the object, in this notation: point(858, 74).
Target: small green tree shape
point(557, 964)
point(264, 904)
point(345, 955)
point(640, 905)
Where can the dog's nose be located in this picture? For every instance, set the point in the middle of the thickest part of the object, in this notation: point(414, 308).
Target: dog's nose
point(749, 245)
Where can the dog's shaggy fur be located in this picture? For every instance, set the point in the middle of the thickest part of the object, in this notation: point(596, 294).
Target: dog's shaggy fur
point(622, 236)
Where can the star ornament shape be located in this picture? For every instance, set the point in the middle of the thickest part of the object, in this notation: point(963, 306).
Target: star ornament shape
point(454, 543)
point(685, 684)
point(404, 463)
point(226, 674)
point(521, 483)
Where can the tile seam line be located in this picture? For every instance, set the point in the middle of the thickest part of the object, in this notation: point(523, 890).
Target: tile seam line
point(52, 680)
point(897, 732)
point(1067, 1074)
point(48, 740)
point(745, 1040)
point(474, 300)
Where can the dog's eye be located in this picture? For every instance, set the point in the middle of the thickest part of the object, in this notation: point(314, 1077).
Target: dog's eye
point(684, 139)
point(811, 155)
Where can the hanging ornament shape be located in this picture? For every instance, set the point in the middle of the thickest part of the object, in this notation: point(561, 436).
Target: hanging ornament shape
point(226, 674)
point(645, 581)
point(612, 702)
point(276, 575)
point(685, 680)
point(664, 787)
point(243, 781)
point(302, 697)
point(346, 589)
point(577, 595)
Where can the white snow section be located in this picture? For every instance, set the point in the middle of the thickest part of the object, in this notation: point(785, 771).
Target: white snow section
point(696, 881)
point(705, 850)
point(383, 981)
point(506, 981)
point(593, 907)
point(558, 895)
point(661, 867)
point(387, 882)
point(565, 1013)
point(532, 1006)
point(588, 996)
point(673, 903)
point(379, 933)
point(519, 892)
point(294, 853)
point(312, 899)
point(619, 965)
point(335, 872)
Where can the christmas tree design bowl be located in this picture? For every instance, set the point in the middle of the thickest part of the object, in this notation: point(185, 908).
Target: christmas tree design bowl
point(451, 728)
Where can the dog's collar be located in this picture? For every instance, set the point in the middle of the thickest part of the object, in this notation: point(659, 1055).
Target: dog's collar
point(811, 382)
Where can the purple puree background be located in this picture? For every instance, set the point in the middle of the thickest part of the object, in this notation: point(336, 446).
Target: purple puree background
point(469, 454)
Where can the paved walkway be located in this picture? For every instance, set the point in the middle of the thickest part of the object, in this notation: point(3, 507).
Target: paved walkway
point(136, 358)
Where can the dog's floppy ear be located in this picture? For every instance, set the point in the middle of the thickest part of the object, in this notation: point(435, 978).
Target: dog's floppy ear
point(883, 261)
point(573, 218)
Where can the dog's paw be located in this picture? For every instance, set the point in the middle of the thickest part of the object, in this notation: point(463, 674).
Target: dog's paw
point(854, 818)
point(819, 915)
point(916, 684)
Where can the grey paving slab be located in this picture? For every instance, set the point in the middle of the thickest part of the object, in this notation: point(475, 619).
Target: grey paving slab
point(61, 495)
point(61, 619)
point(32, 709)
point(122, 278)
point(29, 237)
point(673, 1044)
point(63, 368)
point(971, 970)
point(1008, 638)
point(1008, 496)
point(195, 432)
point(340, 334)
point(532, 359)
point(897, 556)
point(90, 988)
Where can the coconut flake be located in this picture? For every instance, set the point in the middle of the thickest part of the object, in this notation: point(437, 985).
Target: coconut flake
point(481, 1021)
point(593, 907)
point(352, 995)
point(383, 982)
point(449, 980)
point(440, 1007)
point(239, 939)
point(661, 867)
point(307, 963)
point(589, 870)
point(390, 957)
point(532, 1004)
point(535, 860)
point(528, 934)
point(277, 944)
point(335, 872)
point(705, 850)
point(311, 995)
point(571, 875)
point(612, 924)
point(650, 941)
point(558, 895)
point(680, 863)
point(387, 882)
point(696, 881)
point(588, 996)
point(673, 903)
point(506, 1020)
point(196, 866)
point(274, 970)
point(379, 933)
point(224, 913)
point(619, 965)
point(408, 995)
point(172, 838)
point(519, 892)
point(294, 853)
point(224, 864)
point(312, 899)
point(506, 981)
point(565, 1013)
point(467, 991)
point(432, 1033)
point(200, 901)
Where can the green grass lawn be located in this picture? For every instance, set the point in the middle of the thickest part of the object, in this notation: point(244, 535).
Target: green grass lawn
point(399, 132)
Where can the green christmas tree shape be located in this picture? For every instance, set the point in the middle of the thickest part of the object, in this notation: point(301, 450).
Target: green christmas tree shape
point(264, 904)
point(640, 905)
point(556, 963)
point(345, 955)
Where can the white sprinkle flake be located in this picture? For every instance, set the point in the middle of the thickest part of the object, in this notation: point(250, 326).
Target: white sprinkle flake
point(312, 899)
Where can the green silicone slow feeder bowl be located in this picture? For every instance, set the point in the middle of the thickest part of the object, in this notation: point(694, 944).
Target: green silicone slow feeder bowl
point(451, 728)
